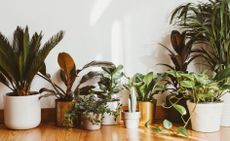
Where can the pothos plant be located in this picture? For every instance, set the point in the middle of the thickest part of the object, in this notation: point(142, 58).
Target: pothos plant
point(23, 59)
point(199, 88)
point(68, 74)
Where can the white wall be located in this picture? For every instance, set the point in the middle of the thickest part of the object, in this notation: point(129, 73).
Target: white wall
point(123, 31)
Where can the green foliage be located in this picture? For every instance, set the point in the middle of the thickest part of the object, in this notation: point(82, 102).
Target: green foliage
point(181, 55)
point(24, 58)
point(111, 82)
point(167, 124)
point(146, 85)
point(68, 75)
point(198, 87)
point(88, 105)
point(207, 23)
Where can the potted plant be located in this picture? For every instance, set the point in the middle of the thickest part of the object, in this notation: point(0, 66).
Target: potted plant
point(181, 56)
point(132, 116)
point(91, 108)
point(65, 97)
point(146, 86)
point(110, 85)
point(204, 93)
point(208, 23)
point(20, 62)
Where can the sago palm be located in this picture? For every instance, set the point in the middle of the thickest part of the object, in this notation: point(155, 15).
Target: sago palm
point(24, 58)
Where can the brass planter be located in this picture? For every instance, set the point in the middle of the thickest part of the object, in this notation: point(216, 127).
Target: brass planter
point(62, 107)
point(147, 112)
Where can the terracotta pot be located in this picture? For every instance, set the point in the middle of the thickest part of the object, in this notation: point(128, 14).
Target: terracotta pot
point(172, 114)
point(88, 125)
point(62, 107)
point(22, 112)
point(147, 111)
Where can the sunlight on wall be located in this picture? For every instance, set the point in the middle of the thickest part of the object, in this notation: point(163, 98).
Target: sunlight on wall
point(97, 10)
point(116, 43)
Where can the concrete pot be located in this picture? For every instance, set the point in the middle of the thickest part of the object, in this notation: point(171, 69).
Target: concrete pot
point(22, 112)
point(88, 125)
point(225, 119)
point(131, 119)
point(110, 119)
point(205, 117)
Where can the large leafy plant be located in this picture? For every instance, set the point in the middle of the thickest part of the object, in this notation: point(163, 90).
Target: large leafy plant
point(69, 73)
point(208, 23)
point(199, 88)
point(181, 54)
point(23, 59)
point(111, 83)
point(146, 85)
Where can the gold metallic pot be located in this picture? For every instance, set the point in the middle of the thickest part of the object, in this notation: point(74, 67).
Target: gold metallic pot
point(147, 112)
point(63, 107)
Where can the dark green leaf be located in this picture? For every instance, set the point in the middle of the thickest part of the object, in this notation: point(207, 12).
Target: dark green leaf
point(183, 131)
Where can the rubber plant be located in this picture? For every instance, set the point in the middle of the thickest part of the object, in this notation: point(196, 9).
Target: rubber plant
point(23, 59)
point(181, 54)
point(68, 74)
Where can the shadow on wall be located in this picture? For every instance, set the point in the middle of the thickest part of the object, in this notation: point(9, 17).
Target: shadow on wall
point(125, 32)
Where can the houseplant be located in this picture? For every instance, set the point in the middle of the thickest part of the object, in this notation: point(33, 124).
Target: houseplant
point(110, 85)
point(146, 86)
point(204, 93)
point(91, 109)
point(209, 24)
point(68, 74)
point(20, 62)
point(132, 116)
point(181, 56)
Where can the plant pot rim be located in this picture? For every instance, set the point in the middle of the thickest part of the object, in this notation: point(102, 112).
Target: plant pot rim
point(126, 111)
point(10, 94)
point(205, 103)
point(60, 100)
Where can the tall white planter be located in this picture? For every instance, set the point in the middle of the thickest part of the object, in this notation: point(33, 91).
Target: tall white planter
point(110, 119)
point(205, 117)
point(22, 112)
point(225, 120)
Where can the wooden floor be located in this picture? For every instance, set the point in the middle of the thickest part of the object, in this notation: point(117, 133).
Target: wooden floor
point(49, 132)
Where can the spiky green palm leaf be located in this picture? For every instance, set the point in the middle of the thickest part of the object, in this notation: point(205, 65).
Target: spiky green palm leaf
point(22, 60)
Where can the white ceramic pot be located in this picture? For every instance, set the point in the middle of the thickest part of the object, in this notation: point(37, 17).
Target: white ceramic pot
point(131, 119)
point(205, 117)
point(88, 125)
point(22, 112)
point(110, 119)
point(225, 119)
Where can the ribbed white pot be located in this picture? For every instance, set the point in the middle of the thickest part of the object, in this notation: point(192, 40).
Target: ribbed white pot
point(205, 117)
point(225, 120)
point(131, 119)
point(88, 125)
point(22, 112)
point(109, 119)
